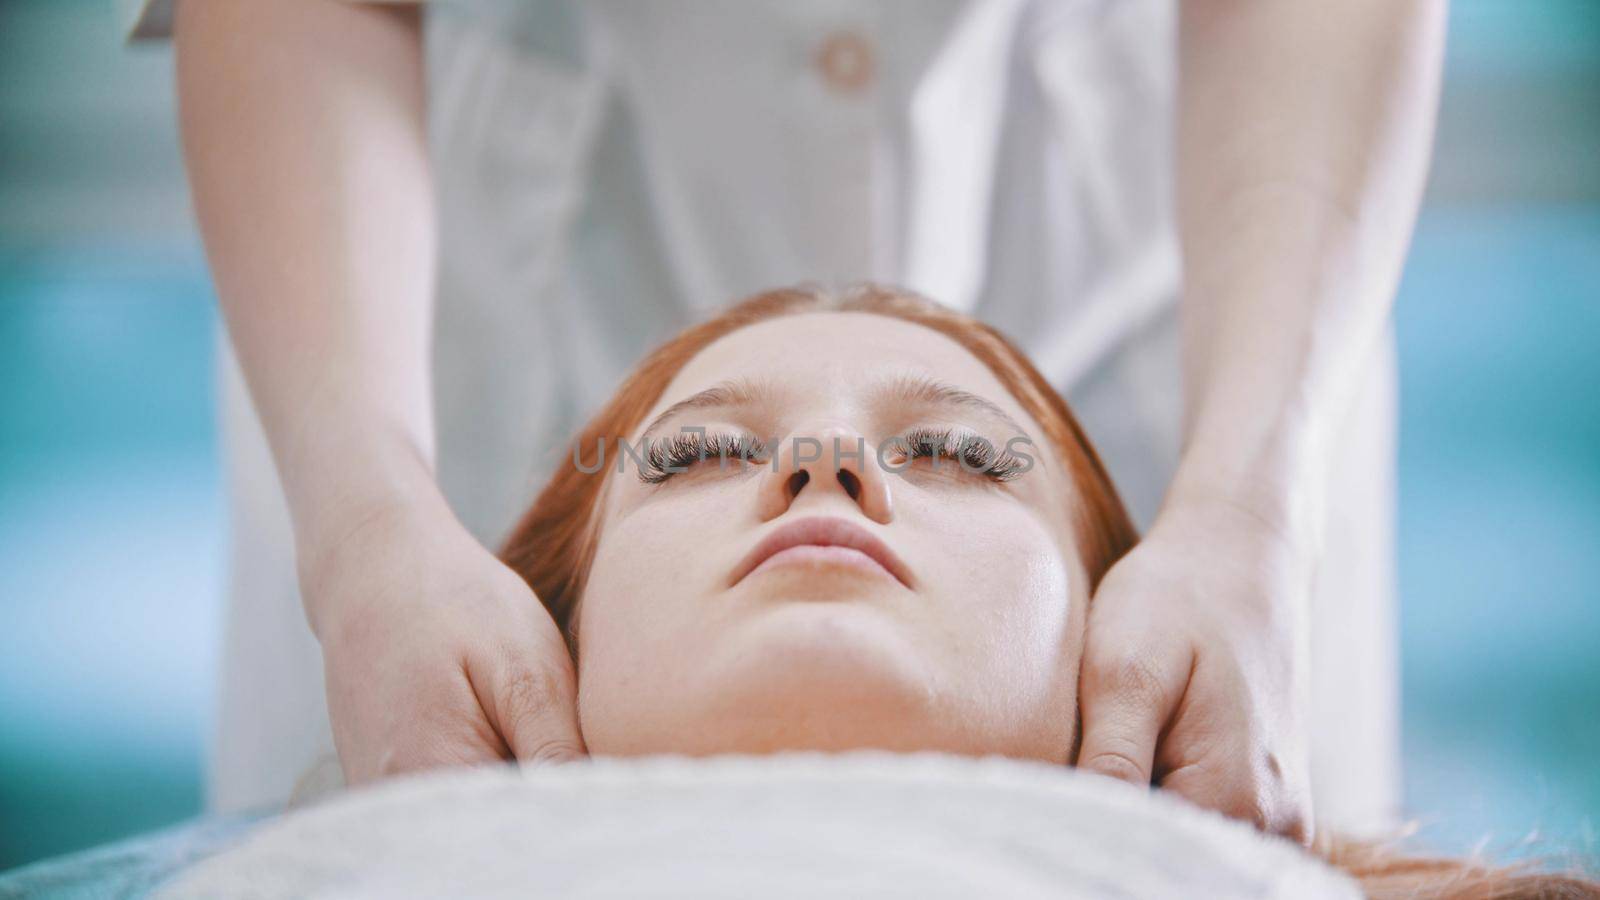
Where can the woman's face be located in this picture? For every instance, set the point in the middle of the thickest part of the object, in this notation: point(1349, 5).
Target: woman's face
point(914, 604)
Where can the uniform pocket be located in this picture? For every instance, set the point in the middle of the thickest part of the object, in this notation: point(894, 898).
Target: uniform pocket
point(511, 128)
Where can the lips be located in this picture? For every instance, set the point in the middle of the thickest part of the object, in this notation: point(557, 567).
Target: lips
point(824, 532)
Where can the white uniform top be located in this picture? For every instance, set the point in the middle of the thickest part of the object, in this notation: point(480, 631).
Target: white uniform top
point(609, 170)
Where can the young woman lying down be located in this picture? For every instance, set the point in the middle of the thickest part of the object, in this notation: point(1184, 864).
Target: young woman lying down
point(832, 521)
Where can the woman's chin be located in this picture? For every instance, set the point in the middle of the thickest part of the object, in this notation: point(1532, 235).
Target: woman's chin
point(801, 676)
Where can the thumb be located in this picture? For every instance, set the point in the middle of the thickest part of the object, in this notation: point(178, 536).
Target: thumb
point(1126, 699)
point(532, 703)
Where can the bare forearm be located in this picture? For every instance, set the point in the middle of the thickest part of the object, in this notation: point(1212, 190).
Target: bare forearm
point(303, 132)
point(1304, 134)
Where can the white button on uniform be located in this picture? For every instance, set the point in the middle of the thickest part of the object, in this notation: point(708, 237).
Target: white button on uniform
point(845, 59)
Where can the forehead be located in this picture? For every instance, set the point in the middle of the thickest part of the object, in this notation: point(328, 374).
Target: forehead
point(838, 354)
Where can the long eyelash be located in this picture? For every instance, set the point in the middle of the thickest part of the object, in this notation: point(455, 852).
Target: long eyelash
point(687, 448)
point(973, 453)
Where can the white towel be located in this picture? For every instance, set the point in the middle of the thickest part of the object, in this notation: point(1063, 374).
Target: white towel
point(795, 825)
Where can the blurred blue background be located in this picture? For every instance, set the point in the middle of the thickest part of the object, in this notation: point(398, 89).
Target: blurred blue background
point(112, 518)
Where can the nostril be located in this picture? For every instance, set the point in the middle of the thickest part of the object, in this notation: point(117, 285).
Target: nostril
point(796, 482)
point(851, 482)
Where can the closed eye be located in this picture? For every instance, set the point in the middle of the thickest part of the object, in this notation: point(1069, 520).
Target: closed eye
point(963, 451)
point(678, 454)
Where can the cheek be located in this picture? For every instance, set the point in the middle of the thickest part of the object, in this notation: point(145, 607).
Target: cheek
point(1024, 600)
point(655, 552)
point(1013, 610)
point(644, 607)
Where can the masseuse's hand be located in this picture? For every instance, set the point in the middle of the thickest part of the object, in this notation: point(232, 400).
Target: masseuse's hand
point(436, 654)
point(1194, 668)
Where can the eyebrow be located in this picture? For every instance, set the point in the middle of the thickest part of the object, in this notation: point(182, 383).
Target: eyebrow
point(735, 392)
point(908, 388)
point(932, 392)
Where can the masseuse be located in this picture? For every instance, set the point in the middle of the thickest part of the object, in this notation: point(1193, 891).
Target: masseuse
point(575, 180)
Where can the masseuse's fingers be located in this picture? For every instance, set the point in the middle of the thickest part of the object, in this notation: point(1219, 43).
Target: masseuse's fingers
point(525, 681)
point(1131, 683)
point(1243, 781)
point(1253, 790)
point(1234, 758)
point(533, 703)
point(536, 710)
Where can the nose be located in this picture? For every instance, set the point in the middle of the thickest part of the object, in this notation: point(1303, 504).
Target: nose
point(823, 464)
